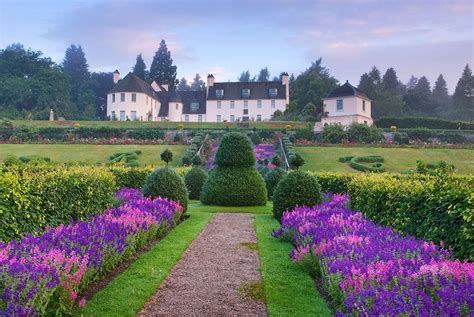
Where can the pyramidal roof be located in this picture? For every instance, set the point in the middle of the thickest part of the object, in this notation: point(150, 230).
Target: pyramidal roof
point(347, 90)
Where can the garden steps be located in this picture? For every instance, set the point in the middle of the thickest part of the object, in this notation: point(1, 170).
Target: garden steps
point(212, 273)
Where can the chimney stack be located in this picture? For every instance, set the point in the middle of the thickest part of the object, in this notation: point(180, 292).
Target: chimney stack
point(210, 82)
point(116, 76)
point(285, 81)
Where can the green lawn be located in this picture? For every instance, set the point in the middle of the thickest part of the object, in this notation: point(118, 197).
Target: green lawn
point(325, 159)
point(289, 290)
point(196, 206)
point(90, 152)
point(164, 125)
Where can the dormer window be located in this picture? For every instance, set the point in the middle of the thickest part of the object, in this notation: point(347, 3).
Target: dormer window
point(194, 106)
point(273, 92)
point(219, 93)
point(245, 93)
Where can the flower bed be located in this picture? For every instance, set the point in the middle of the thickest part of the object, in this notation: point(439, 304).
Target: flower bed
point(43, 275)
point(371, 270)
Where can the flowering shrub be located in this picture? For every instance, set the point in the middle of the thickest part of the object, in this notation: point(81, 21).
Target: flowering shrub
point(262, 152)
point(372, 270)
point(43, 275)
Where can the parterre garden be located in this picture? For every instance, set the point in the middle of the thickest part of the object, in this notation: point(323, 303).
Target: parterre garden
point(373, 243)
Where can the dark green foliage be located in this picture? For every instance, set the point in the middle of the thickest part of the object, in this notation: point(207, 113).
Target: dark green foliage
point(162, 69)
point(34, 197)
point(434, 168)
point(196, 161)
point(333, 133)
point(34, 158)
point(256, 139)
point(234, 186)
point(194, 181)
point(344, 159)
point(423, 122)
point(463, 105)
point(272, 178)
point(401, 138)
point(129, 158)
point(296, 161)
point(166, 156)
point(362, 133)
point(276, 160)
point(295, 189)
point(140, 68)
point(356, 163)
point(235, 150)
point(165, 182)
point(185, 161)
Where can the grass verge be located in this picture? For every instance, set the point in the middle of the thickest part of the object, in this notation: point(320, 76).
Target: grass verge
point(289, 290)
point(127, 293)
point(197, 206)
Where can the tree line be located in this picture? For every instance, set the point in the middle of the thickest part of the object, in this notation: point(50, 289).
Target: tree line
point(32, 84)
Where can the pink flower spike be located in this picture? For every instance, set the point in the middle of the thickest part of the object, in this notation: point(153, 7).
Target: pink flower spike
point(82, 302)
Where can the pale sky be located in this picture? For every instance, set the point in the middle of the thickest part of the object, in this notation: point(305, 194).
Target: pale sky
point(225, 37)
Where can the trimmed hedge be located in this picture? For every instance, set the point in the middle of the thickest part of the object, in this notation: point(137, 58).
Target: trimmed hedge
point(35, 197)
point(166, 182)
point(428, 207)
point(194, 181)
point(377, 163)
point(235, 150)
point(234, 186)
point(272, 179)
point(423, 122)
point(297, 188)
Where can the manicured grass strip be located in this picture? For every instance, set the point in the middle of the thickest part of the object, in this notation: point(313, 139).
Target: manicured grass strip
point(127, 293)
point(325, 159)
point(93, 153)
point(289, 290)
point(196, 206)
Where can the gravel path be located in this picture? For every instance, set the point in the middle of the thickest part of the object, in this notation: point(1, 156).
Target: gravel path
point(206, 281)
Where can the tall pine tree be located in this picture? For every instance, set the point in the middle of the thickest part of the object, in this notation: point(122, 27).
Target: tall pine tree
point(183, 85)
point(440, 96)
point(418, 99)
point(264, 74)
point(198, 84)
point(162, 69)
point(463, 97)
point(76, 67)
point(140, 68)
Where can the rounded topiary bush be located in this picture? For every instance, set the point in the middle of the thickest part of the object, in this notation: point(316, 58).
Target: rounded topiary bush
point(272, 179)
point(295, 189)
point(235, 150)
point(242, 186)
point(165, 182)
point(194, 181)
point(235, 180)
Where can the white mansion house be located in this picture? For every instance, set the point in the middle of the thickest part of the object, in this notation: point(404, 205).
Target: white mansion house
point(134, 99)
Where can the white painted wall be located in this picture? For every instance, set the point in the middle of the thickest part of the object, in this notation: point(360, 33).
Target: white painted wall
point(143, 105)
point(193, 118)
point(352, 111)
point(175, 111)
point(266, 110)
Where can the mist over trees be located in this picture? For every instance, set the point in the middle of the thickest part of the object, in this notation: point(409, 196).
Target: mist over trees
point(32, 84)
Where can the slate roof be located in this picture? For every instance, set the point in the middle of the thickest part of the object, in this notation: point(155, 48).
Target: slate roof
point(258, 90)
point(184, 97)
point(345, 91)
point(132, 83)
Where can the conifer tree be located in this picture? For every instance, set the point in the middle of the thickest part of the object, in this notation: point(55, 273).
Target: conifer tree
point(463, 97)
point(140, 68)
point(162, 69)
